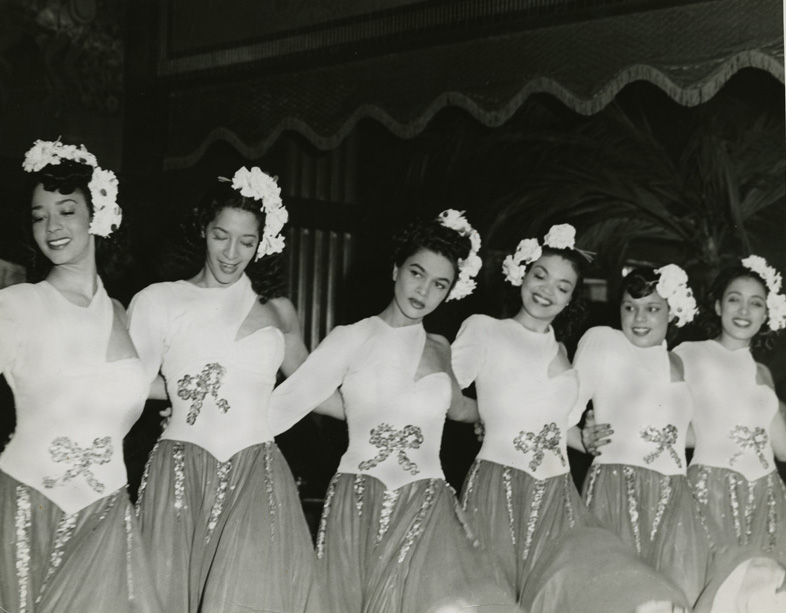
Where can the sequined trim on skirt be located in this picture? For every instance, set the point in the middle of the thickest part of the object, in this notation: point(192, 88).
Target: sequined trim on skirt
point(23, 521)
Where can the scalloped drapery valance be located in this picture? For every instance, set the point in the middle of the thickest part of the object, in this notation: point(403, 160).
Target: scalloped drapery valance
point(688, 50)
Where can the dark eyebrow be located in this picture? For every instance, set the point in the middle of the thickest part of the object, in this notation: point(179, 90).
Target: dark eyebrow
point(421, 269)
point(251, 235)
point(546, 270)
point(57, 203)
point(736, 293)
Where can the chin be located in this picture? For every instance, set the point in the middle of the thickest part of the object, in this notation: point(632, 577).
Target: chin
point(543, 313)
point(226, 280)
point(59, 257)
point(414, 315)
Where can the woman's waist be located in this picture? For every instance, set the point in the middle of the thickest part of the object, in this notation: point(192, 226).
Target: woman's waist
point(73, 472)
point(538, 463)
point(657, 447)
point(413, 432)
point(752, 460)
point(393, 462)
point(667, 460)
point(222, 441)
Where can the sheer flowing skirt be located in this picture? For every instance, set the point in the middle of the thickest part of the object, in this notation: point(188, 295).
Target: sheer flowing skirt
point(225, 536)
point(91, 561)
point(516, 516)
point(736, 511)
point(656, 515)
point(401, 551)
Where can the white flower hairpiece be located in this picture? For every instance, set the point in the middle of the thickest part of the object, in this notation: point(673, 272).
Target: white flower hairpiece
point(561, 236)
point(673, 287)
point(470, 266)
point(255, 184)
point(107, 215)
point(776, 302)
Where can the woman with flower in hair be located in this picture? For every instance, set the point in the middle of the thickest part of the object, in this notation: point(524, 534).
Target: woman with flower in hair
point(218, 506)
point(738, 428)
point(70, 539)
point(637, 487)
point(519, 493)
point(392, 537)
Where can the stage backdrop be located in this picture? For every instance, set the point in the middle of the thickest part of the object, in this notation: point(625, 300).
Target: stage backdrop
point(243, 72)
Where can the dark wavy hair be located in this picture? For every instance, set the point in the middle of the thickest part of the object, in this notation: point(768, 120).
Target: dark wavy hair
point(570, 320)
point(431, 235)
point(709, 322)
point(112, 253)
point(640, 283)
point(266, 274)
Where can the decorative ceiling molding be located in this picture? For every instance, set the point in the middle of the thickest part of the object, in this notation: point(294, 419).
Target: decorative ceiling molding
point(360, 35)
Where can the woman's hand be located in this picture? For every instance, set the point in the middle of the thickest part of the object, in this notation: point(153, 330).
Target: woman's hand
point(594, 436)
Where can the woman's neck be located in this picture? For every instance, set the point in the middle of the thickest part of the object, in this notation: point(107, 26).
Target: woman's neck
point(541, 326)
point(77, 282)
point(395, 317)
point(733, 344)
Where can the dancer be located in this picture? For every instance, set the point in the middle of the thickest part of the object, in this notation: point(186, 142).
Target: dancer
point(70, 539)
point(392, 537)
point(218, 506)
point(739, 430)
point(638, 487)
point(519, 494)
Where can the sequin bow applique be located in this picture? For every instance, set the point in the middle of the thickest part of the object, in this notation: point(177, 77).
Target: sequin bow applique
point(197, 388)
point(545, 440)
point(746, 438)
point(64, 450)
point(389, 440)
point(664, 439)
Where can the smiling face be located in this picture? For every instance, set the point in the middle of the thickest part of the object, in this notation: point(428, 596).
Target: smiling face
point(231, 240)
point(742, 309)
point(644, 320)
point(60, 225)
point(421, 283)
point(546, 290)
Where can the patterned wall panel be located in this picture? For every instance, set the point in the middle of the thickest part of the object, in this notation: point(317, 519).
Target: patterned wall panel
point(319, 262)
point(321, 189)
